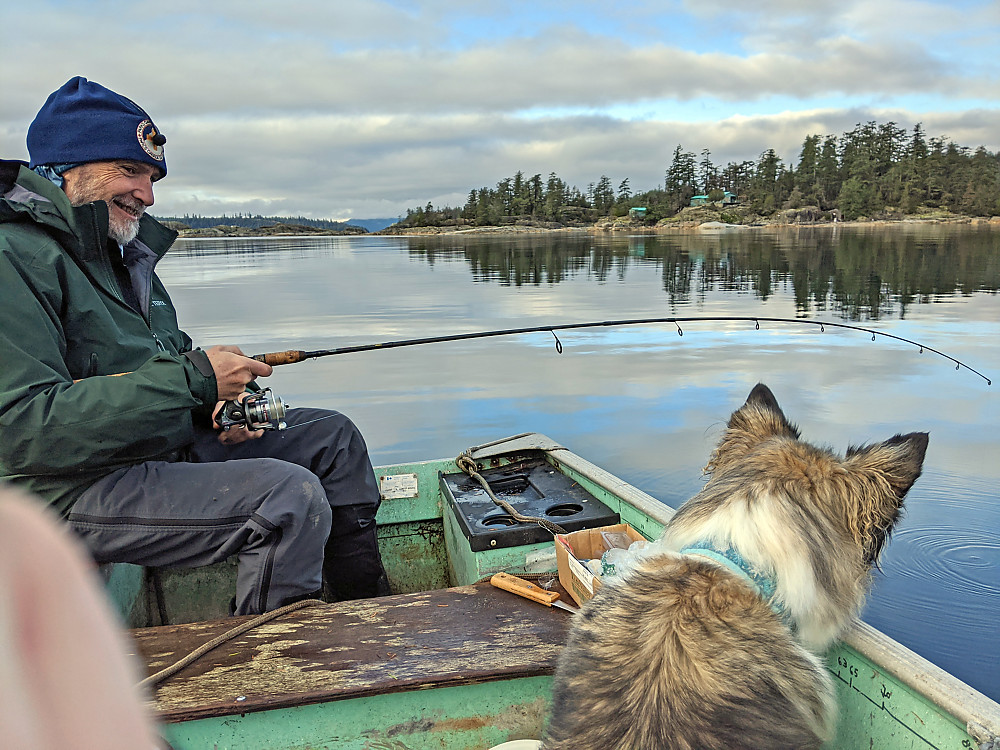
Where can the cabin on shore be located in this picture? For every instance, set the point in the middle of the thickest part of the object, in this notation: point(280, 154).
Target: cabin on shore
point(728, 199)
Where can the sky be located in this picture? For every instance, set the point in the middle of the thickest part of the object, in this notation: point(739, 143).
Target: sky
point(362, 109)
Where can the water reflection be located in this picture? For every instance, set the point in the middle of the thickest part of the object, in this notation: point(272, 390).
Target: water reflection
point(855, 273)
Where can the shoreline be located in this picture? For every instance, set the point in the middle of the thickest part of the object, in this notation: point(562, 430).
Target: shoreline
point(633, 228)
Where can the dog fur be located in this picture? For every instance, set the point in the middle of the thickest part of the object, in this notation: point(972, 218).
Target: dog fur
point(684, 653)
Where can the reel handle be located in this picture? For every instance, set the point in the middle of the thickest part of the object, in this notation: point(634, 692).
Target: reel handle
point(289, 357)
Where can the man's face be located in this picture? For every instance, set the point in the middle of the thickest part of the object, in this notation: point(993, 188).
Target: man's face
point(125, 185)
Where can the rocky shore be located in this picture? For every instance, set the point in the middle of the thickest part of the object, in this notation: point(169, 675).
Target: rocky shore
point(698, 218)
point(702, 218)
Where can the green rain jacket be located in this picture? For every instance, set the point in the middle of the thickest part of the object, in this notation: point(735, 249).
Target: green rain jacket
point(87, 384)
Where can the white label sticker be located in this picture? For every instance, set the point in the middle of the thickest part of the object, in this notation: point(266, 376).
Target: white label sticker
point(581, 573)
point(394, 486)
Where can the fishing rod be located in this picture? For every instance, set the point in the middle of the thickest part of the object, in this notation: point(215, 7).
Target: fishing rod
point(292, 356)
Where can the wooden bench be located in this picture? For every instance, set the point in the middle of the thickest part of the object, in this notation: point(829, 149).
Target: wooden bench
point(337, 652)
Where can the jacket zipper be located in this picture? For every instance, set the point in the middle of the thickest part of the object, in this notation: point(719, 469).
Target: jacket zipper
point(106, 264)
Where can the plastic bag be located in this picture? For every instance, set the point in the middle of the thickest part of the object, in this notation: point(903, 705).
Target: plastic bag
point(616, 539)
point(617, 561)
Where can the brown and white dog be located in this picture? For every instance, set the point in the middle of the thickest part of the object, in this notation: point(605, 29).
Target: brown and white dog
point(713, 639)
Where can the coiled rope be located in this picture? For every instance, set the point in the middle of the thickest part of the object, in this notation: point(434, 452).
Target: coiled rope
point(468, 464)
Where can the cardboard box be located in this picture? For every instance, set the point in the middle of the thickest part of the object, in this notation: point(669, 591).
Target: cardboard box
point(584, 545)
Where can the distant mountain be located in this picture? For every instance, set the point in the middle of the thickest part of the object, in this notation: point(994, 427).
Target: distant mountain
point(372, 225)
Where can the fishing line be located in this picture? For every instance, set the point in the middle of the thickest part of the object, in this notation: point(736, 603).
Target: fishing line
point(311, 421)
point(292, 356)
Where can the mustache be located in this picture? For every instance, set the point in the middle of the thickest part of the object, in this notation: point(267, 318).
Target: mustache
point(129, 203)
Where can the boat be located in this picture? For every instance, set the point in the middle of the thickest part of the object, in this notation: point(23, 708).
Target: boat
point(449, 661)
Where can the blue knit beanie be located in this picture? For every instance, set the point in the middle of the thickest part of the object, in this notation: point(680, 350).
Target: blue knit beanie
point(83, 121)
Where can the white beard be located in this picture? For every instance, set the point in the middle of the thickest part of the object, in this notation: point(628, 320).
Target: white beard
point(123, 231)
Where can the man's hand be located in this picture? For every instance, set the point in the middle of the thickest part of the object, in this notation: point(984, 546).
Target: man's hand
point(237, 434)
point(234, 370)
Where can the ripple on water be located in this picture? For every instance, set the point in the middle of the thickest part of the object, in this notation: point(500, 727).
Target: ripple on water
point(966, 558)
point(939, 593)
point(949, 544)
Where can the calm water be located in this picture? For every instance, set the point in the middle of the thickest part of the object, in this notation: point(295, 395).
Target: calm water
point(642, 401)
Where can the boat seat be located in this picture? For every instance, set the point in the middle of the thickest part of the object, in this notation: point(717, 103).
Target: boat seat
point(326, 652)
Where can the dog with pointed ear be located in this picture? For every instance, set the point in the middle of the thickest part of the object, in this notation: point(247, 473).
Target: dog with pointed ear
point(714, 638)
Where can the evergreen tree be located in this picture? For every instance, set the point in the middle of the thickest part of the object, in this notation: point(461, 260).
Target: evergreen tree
point(708, 173)
point(829, 173)
point(624, 191)
point(913, 172)
point(520, 199)
point(681, 179)
point(769, 187)
point(505, 191)
point(807, 181)
point(535, 194)
point(471, 205)
point(604, 196)
point(936, 177)
point(736, 177)
point(555, 197)
point(856, 198)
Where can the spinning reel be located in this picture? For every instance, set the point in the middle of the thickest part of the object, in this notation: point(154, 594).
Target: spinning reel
point(258, 411)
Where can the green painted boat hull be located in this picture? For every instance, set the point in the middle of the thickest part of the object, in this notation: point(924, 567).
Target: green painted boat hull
point(888, 697)
point(470, 716)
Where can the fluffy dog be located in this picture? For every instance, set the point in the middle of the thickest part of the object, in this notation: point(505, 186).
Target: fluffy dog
point(711, 641)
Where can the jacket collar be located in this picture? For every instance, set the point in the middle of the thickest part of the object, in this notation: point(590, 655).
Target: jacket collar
point(25, 193)
point(30, 195)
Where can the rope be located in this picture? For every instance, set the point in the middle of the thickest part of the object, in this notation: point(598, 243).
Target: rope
point(467, 464)
point(155, 679)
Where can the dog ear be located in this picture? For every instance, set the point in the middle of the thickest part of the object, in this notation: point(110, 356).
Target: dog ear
point(881, 475)
point(897, 461)
point(762, 396)
point(759, 419)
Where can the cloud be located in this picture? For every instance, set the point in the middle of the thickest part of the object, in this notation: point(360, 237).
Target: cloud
point(340, 109)
point(251, 64)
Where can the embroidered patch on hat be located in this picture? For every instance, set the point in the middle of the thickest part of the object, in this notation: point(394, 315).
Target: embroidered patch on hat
point(150, 140)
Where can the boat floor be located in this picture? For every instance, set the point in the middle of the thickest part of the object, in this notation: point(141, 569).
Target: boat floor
point(441, 638)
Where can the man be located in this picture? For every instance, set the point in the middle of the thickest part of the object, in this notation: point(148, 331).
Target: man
point(106, 408)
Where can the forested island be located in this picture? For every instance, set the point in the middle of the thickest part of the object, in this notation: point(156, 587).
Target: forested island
point(873, 172)
point(255, 225)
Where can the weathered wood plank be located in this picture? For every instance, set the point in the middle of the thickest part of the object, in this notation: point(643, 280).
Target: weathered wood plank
point(332, 652)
